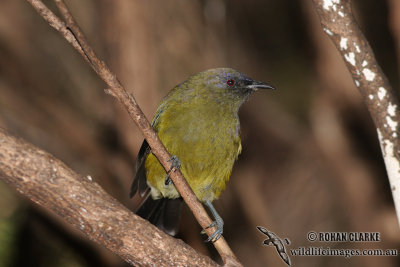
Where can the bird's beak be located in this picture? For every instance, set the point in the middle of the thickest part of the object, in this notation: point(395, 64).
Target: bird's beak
point(255, 85)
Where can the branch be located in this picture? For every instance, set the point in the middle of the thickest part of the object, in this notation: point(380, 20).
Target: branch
point(84, 204)
point(339, 24)
point(72, 33)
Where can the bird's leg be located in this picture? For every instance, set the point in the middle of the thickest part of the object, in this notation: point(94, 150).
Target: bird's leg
point(176, 164)
point(219, 223)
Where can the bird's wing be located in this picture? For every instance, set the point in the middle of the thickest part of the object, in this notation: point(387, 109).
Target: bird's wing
point(139, 182)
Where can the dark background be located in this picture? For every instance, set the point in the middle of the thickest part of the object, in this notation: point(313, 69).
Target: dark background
point(310, 162)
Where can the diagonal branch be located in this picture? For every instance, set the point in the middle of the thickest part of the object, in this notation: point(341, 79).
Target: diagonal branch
point(85, 205)
point(382, 101)
point(72, 33)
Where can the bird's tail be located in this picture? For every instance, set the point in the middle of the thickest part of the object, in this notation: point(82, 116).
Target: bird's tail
point(163, 213)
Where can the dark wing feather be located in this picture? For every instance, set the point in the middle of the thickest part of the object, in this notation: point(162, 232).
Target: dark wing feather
point(139, 182)
point(163, 213)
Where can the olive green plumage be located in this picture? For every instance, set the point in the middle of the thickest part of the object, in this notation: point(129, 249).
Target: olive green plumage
point(198, 123)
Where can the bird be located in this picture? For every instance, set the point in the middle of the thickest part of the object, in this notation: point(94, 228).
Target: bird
point(198, 123)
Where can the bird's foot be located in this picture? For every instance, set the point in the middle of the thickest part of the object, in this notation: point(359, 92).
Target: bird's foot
point(175, 165)
point(218, 223)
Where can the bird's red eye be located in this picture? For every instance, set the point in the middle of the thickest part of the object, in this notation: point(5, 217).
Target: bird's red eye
point(230, 82)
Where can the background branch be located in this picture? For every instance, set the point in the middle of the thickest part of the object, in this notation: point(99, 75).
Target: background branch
point(129, 102)
point(84, 204)
point(340, 25)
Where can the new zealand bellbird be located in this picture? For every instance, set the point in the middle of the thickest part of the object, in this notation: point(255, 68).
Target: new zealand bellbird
point(198, 123)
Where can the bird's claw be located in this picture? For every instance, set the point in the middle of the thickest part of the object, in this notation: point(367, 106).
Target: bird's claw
point(219, 224)
point(211, 225)
point(175, 165)
point(214, 223)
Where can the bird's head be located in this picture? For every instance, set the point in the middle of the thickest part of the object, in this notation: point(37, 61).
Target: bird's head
point(226, 84)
